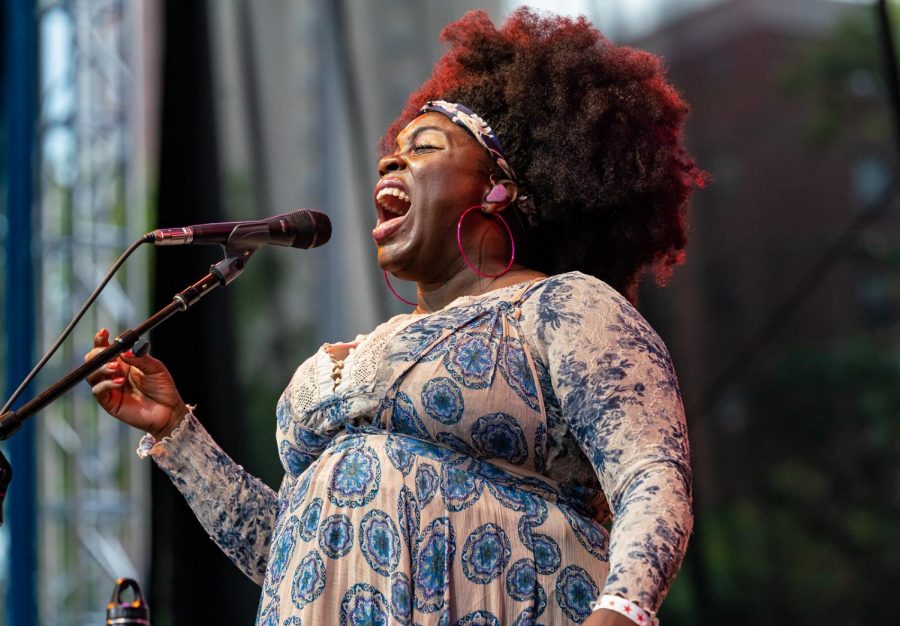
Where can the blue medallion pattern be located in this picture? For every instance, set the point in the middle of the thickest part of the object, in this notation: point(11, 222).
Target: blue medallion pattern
point(282, 551)
point(455, 443)
point(293, 458)
point(515, 422)
point(521, 579)
point(478, 618)
point(355, 479)
point(269, 616)
point(525, 618)
point(283, 415)
point(517, 373)
point(399, 457)
point(591, 535)
point(485, 554)
point(541, 601)
point(379, 541)
point(515, 499)
point(575, 590)
point(426, 483)
point(408, 516)
point(547, 556)
point(364, 604)
point(443, 401)
point(300, 490)
point(336, 536)
point(309, 580)
point(309, 519)
point(435, 549)
point(401, 599)
point(460, 489)
point(470, 361)
point(405, 418)
point(540, 450)
point(499, 436)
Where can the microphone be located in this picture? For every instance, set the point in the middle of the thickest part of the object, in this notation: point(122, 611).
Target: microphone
point(300, 229)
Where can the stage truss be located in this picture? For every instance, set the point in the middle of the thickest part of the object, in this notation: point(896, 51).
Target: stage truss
point(93, 507)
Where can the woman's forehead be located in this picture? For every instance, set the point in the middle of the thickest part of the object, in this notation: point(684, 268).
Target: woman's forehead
point(429, 120)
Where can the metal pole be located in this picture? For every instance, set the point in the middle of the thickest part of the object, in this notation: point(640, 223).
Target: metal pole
point(20, 111)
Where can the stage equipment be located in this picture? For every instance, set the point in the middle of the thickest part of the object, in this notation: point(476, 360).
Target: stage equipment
point(121, 613)
point(300, 229)
point(304, 229)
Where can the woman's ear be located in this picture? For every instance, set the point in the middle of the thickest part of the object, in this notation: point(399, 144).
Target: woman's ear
point(499, 195)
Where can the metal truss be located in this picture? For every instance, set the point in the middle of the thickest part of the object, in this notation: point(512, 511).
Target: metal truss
point(93, 506)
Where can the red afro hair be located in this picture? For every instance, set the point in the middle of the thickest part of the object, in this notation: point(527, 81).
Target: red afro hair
point(593, 131)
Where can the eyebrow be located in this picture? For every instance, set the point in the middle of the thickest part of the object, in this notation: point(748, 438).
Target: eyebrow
point(422, 129)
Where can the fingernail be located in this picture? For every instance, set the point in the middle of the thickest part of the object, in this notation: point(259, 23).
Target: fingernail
point(119, 380)
point(112, 366)
point(128, 353)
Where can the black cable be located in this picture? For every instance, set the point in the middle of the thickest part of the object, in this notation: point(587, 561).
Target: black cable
point(68, 329)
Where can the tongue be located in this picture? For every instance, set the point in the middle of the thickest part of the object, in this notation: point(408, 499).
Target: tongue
point(387, 228)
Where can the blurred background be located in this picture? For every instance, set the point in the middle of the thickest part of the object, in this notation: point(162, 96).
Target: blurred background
point(119, 116)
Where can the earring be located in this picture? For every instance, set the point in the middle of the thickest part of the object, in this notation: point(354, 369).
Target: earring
point(498, 193)
point(394, 291)
point(512, 242)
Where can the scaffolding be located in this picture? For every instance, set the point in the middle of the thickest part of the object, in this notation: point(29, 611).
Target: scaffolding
point(93, 506)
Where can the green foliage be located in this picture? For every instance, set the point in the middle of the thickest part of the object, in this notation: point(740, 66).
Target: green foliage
point(841, 78)
point(817, 531)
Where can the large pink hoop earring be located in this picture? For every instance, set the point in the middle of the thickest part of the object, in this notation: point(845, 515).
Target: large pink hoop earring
point(512, 243)
point(394, 291)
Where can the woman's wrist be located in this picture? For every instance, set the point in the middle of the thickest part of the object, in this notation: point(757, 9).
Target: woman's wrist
point(626, 608)
point(177, 416)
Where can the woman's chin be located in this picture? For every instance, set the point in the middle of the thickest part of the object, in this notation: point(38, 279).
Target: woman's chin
point(391, 258)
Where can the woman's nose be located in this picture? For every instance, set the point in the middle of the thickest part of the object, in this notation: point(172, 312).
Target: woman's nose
point(390, 163)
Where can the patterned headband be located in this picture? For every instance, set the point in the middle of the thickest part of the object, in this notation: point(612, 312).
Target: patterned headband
point(477, 127)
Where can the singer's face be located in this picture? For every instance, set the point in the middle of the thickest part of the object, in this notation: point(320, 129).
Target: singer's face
point(437, 171)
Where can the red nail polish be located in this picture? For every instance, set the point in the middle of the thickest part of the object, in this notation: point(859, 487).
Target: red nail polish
point(119, 380)
point(128, 353)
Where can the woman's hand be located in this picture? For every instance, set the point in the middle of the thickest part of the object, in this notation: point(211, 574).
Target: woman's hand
point(604, 617)
point(137, 390)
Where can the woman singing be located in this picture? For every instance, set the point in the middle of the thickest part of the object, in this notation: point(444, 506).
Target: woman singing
point(461, 463)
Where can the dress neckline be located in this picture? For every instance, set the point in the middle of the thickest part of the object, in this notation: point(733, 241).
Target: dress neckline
point(525, 285)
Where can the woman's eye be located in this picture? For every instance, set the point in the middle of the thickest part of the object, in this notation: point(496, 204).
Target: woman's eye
point(424, 146)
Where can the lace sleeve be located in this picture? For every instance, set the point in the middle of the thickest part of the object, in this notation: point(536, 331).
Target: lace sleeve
point(620, 399)
point(236, 509)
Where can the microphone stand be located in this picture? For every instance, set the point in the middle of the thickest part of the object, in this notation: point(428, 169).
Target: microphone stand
point(220, 275)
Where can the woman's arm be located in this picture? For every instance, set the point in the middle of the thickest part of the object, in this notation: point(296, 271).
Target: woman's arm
point(619, 396)
point(236, 509)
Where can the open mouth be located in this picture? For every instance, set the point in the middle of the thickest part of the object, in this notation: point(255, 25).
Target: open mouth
point(393, 203)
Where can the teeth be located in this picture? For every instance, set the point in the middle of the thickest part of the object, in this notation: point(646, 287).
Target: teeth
point(392, 191)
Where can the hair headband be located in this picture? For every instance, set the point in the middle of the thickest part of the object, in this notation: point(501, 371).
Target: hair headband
point(464, 117)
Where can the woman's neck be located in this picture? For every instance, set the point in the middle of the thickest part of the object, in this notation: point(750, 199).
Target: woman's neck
point(435, 296)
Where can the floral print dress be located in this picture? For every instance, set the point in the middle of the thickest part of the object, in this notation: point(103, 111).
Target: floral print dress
point(462, 473)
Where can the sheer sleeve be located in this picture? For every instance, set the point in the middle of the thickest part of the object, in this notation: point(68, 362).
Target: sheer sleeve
point(620, 399)
point(236, 509)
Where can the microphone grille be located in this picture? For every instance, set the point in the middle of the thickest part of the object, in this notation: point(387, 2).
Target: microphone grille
point(312, 227)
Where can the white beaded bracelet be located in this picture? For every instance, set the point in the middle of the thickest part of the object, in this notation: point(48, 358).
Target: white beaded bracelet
point(627, 608)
